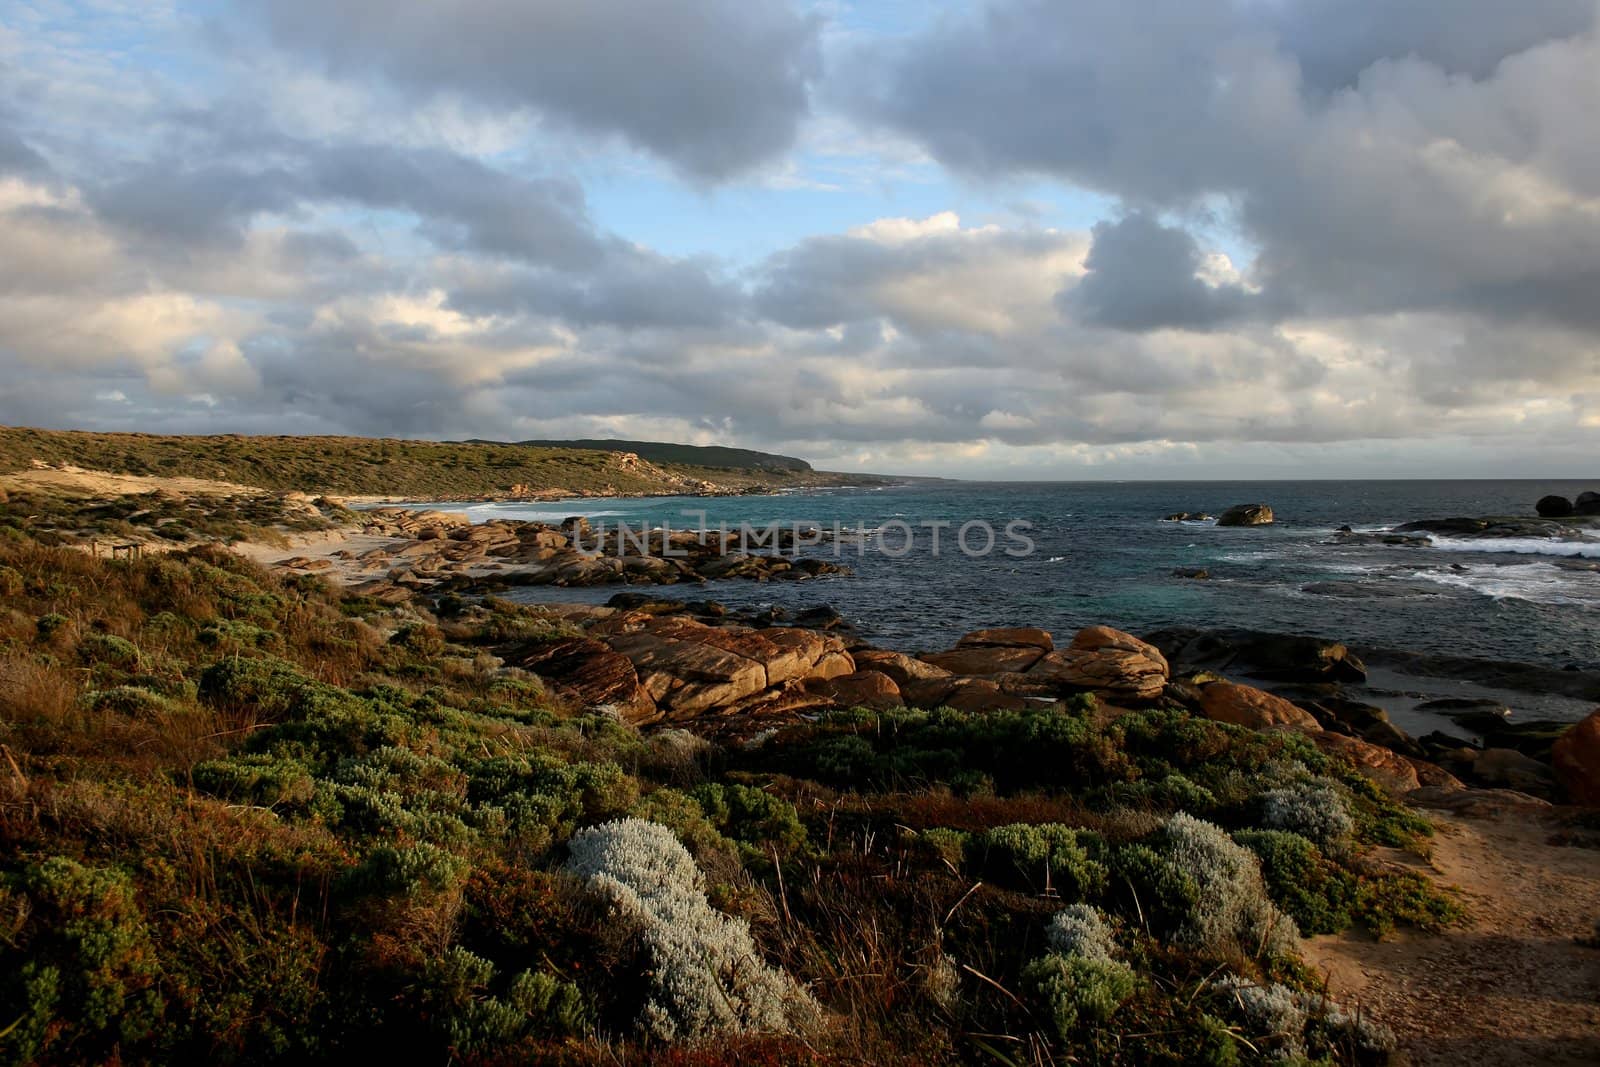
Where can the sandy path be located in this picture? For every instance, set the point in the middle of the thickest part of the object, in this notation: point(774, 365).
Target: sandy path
point(1510, 986)
point(342, 548)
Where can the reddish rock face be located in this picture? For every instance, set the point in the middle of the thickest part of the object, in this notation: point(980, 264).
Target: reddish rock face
point(1575, 758)
point(1106, 661)
point(691, 669)
point(1104, 638)
point(1126, 675)
point(980, 694)
point(905, 670)
point(1388, 769)
point(1016, 636)
point(1243, 705)
point(590, 674)
point(863, 689)
point(977, 661)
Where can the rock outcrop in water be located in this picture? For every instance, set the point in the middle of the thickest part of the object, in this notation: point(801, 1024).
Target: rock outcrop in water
point(1553, 507)
point(1246, 515)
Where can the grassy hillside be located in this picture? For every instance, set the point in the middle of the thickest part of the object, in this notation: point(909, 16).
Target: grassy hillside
point(359, 466)
point(692, 455)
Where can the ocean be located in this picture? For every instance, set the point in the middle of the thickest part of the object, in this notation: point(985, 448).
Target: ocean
point(1101, 554)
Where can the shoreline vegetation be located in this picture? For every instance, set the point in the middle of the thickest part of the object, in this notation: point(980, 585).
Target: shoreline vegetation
point(322, 793)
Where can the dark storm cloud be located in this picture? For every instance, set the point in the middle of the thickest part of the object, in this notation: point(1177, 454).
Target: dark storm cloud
point(1383, 157)
point(1142, 276)
point(16, 156)
point(634, 289)
point(460, 202)
point(713, 86)
point(1335, 40)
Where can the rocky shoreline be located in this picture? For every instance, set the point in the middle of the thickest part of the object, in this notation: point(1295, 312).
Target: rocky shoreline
point(405, 551)
point(694, 663)
point(697, 666)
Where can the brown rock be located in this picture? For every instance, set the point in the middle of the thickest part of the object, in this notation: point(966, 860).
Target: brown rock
point(976, 661)
point(687, 676)
point(1096, 638)
point(931, 692)
point(1105, 661)
point(1388, 769)
point(591, 674)
point(1510, 769)
point(1244, 705)
point(980, 694)
point(1246, 515)
point(1017, 636)
point(832, 664)
point(1575, 759)
point(1122, 672)
point(863, 689)
point(1433, 776)
point(905, 670)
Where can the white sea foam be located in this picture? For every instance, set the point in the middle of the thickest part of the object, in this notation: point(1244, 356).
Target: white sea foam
point(481, 512)
point(1541, 583)
point(1522, 546)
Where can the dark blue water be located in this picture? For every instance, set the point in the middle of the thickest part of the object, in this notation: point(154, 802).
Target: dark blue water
point(1102, 555)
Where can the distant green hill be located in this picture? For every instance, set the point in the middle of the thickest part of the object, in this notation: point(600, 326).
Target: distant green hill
point(694, 455)
point(423, 470)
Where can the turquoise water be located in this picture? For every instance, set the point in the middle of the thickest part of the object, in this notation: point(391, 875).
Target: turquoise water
point(1101, 555)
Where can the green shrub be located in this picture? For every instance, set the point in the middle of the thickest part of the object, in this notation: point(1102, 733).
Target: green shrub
point(51, 624)
point(408, 871)
point(454, 993)
point(231, 636)
point(1048, 855)
point(753, 818)
point(267, 688)
point(257, 778)
point(84, 978)
point(944, 844)
point(1075, 992)
point(131, 700)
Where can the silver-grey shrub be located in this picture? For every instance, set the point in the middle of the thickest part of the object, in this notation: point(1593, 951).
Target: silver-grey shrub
point(707, 976)
point(1295, 1024)
point(1078, 930)
point(1313, 809)
point(1231, 911)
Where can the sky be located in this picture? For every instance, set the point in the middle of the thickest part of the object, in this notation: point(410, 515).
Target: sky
point(990, 238)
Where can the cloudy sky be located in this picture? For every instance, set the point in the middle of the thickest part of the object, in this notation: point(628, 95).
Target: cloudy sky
point(1004, 238)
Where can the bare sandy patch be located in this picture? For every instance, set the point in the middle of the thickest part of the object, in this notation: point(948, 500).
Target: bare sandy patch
point(84, 482)
point(1511, 985)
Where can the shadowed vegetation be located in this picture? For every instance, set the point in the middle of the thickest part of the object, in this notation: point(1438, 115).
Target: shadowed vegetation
point(245, 819)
